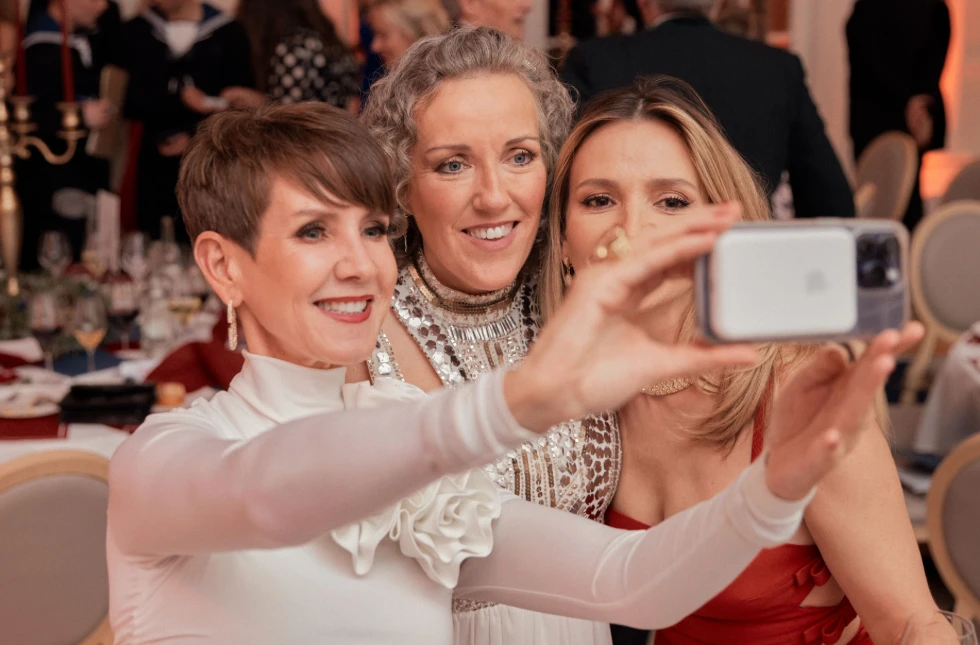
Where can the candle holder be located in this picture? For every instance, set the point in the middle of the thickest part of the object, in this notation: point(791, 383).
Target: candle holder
point(16, 139)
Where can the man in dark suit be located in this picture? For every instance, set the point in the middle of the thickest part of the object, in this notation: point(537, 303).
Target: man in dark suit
point(897, 50)
point(757, 92)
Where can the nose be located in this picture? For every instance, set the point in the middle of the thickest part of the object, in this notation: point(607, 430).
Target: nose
point(638, 217)
point(355, 262)
point(491, 195)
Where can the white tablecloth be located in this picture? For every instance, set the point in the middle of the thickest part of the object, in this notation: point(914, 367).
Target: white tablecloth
point(952, 411)
point(99, 439)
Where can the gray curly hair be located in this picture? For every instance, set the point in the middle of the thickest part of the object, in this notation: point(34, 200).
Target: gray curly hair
point(462, 53)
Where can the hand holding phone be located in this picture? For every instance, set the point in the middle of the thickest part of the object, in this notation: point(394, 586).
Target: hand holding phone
point(815, 280)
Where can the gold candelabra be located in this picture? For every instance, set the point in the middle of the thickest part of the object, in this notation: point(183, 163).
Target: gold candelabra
point(16, 139)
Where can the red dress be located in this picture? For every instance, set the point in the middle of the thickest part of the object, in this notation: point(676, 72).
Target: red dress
point(762, 605)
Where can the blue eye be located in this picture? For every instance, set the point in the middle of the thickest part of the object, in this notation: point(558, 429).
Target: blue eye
point(377, 230)
point(451, 167)
point(312, 232)
point(524, 157)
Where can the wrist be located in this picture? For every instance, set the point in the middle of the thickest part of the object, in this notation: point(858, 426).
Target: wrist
point(781, 489)
point(529, 403)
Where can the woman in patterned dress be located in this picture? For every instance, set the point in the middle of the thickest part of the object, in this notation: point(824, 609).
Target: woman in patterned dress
point(298, 56)
point(472, 122)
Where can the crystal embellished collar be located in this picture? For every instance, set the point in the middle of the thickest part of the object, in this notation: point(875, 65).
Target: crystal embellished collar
point(442, 296)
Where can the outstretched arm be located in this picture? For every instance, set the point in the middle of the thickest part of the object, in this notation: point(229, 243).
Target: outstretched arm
point(554, 562)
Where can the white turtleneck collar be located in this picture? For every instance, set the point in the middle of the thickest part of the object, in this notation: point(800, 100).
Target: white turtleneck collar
point(282, 391)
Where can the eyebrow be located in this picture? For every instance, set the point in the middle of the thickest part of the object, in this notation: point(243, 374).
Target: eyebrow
point(462, 147)
point(653, 184)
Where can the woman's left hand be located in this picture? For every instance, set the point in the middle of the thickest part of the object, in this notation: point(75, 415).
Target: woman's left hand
point(818, 416)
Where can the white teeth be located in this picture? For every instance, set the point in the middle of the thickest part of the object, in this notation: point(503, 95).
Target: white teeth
point(492, 233)
point(354, 307)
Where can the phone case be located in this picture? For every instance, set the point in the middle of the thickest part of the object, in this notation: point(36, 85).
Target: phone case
point(803, 281)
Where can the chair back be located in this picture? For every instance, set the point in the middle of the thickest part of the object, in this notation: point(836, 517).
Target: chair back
point(54, 586)
point(864, 200)
point(945, 265)
point(889, 163)
point(953, 518)
point(965, 186)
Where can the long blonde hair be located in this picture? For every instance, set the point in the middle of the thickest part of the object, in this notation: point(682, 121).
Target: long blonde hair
point(725, 177)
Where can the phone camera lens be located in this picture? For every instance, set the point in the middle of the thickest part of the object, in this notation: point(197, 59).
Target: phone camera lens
point(878, 260)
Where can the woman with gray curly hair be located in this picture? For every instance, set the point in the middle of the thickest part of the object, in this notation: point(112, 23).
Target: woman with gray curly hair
point(472, 122)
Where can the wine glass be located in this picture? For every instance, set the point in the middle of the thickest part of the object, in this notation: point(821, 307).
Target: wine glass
point(91, 324)
point(54, 253)
point(123, 304)
point(939, 628)
point(45, 321)
point(133, 256)
point(94, 259)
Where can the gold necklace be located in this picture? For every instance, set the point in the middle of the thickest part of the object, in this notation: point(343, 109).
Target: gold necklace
point(670, 386)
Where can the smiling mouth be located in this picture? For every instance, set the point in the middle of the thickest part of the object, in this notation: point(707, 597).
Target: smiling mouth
point(347, 310)
point(491, 232)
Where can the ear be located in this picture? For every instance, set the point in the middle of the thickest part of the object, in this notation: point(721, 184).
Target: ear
point(220, 260)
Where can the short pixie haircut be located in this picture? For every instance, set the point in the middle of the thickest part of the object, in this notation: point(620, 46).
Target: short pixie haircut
point(227, 171)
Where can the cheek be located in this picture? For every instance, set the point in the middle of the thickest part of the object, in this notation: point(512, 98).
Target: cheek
point(436, 205)
point(530, 191)
point(582, 235)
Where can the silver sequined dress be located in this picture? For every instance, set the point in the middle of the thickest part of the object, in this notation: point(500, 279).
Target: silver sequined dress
point(574, 467)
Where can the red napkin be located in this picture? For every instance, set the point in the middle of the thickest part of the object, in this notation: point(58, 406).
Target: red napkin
point(197, 365)
point(8, 361)
point(38, 428)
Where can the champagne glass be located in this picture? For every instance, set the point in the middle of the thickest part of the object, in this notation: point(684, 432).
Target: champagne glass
point(91, 324)
point(45, 321)
point(54, 253)
point(939, 628)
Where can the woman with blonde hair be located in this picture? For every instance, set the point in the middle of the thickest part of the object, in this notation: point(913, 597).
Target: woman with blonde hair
point(472, 123)
point(399, 23)
point(641, 159)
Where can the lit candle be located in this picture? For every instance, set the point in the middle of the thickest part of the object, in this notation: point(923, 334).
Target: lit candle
point(21, 89)
point(67, 74)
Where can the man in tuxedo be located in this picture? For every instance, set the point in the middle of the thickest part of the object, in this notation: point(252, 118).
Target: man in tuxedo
point(757, 92)
point(897, 50)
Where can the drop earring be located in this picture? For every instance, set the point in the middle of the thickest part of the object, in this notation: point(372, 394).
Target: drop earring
point(232, 327)
point(567, 272)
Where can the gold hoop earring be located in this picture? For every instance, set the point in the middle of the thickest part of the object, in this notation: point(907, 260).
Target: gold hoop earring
point(232, 326)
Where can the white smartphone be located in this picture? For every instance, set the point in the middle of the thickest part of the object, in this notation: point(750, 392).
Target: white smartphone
point(803, 280)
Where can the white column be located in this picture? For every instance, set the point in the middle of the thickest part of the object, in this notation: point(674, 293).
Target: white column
point(816, 34)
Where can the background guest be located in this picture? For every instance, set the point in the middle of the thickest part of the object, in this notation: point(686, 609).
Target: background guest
point(297, 55)
point(41, 184)
point(182, 54)
point(396, 24)
point(758, 93)
point(507, 16)
point(897, 50)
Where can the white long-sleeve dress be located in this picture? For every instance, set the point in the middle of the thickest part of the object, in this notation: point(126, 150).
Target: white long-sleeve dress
point(282, 512)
